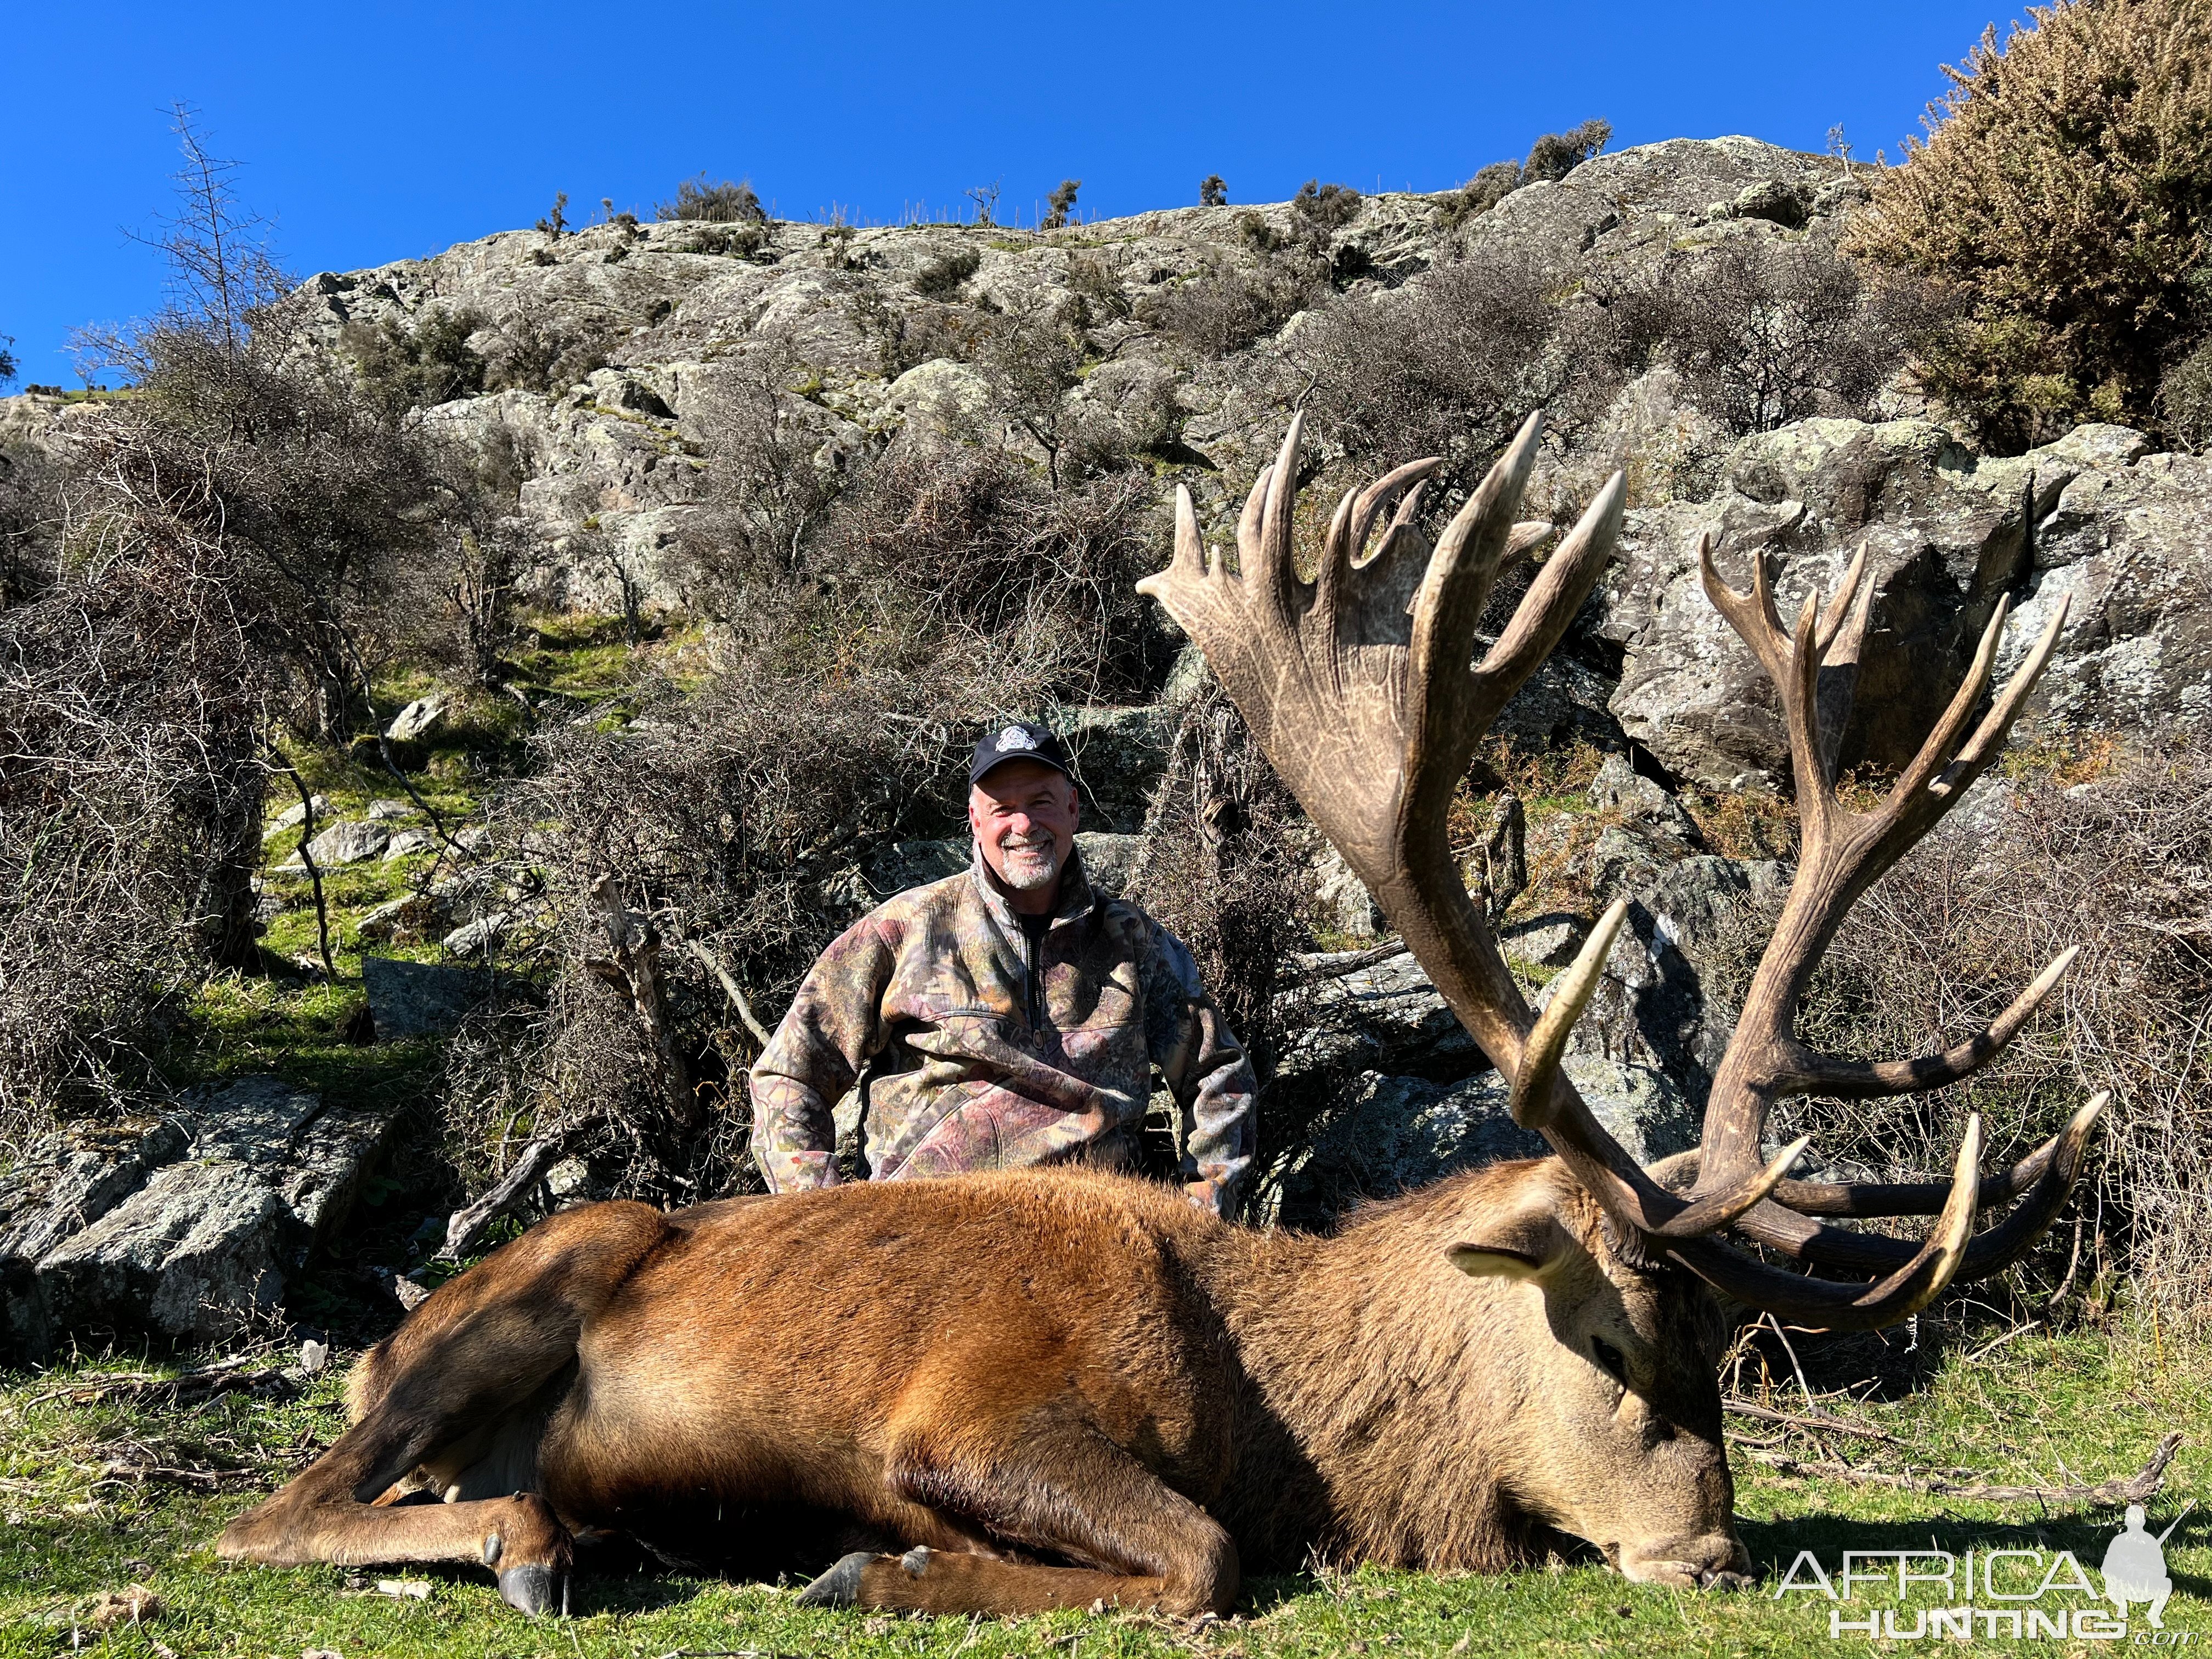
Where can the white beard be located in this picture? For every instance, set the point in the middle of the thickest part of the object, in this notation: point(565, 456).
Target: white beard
point(1028, 867)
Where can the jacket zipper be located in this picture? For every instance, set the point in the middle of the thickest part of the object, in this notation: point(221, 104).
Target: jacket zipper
point(1030, 948)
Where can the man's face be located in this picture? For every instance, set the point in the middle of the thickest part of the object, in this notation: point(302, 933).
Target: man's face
point(1023, 814)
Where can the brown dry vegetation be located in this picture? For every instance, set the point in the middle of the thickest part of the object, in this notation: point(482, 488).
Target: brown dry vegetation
point(2119, 863)
point(2064, 195)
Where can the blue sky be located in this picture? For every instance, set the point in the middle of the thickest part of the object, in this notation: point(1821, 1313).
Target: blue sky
point(379, 131)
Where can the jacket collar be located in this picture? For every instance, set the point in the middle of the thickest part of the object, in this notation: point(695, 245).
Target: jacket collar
point(1077, 897)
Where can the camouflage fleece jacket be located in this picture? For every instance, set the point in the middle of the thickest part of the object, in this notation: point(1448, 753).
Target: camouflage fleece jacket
point(977, 1057)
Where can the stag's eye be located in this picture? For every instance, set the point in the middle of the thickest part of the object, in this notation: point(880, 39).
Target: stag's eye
point(1609, 1356)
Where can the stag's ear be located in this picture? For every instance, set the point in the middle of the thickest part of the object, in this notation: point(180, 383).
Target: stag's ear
point(1493, 1261)
point(1525, 1243)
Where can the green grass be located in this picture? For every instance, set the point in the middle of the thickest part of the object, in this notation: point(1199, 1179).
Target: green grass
point(2094, 1404)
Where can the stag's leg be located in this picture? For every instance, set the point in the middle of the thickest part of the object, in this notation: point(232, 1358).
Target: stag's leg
point(470, 1365)
point(1064, 1488)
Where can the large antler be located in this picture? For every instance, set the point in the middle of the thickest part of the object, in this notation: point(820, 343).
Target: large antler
point(1362, 689)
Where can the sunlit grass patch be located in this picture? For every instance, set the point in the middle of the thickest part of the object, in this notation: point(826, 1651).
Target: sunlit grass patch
point(2037, 1408)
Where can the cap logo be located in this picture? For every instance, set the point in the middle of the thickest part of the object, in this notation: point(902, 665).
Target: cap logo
point(1014, 737)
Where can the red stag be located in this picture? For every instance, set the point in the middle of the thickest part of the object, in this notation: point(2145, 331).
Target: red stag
point(1040, 1388)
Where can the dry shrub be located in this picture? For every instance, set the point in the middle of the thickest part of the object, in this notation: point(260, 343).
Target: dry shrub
point(1452, 363)
point(528, 354)
point(954, 542)
point(30, 519)
point(2122, 868)
point(416, 364)
point(2185, 397)
point(335, 517)
point(720, 203)
point(2065, 193)
point(766, 489)
point(737, 818)
point(1551, 158)
point(1765, 332)
point(1225, 873)
point(950, 586)
point(237, 543)
point(134, 696)
point(1230, 306)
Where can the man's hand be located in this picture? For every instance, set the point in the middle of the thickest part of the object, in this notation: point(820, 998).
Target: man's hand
point(1204, 1194)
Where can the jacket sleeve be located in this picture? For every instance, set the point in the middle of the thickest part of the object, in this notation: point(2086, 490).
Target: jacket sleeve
point(1205, 1069)
point(834, 1028)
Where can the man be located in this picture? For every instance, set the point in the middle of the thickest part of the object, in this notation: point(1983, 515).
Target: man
point(1007, 1016)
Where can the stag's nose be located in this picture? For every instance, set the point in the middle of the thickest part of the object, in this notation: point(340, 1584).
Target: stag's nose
point(1715, 1560)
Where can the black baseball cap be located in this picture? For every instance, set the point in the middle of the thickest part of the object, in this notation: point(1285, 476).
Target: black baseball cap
point(1010, 740)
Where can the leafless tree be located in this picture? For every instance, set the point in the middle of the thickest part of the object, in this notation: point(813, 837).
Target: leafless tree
point(768, 482)
point(1765, 332)
point(220, 269)
point(1452, 363)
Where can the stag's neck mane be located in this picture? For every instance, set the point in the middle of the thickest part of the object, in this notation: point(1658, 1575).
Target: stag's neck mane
point(1382, 1386)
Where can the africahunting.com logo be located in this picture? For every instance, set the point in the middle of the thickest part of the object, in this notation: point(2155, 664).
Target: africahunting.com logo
point(1998, 1593)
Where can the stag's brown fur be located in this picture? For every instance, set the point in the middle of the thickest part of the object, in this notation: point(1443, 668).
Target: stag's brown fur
point(1068, 1385)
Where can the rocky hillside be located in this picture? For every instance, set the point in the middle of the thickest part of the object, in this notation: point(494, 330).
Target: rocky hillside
point(608, 369)
point(668, 307)
point(663, 312)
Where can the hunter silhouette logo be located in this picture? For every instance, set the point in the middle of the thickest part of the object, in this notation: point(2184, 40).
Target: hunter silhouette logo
point(2135, 1565)
point(2006, 1592)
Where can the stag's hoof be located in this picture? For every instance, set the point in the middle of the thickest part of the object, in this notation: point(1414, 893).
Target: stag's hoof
point(840, 1587)
point(534, 1589)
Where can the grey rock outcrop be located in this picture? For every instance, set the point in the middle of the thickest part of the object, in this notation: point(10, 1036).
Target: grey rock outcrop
point(1109, 860)
point(187, 1228)
point(406, 843)
point(1385, 1016)
point(1345, 904)
point(1948, 534)
point(1396, 1133)
point(348, 842)
point(290, 818)
point(420, 999)
point(1119, 754)
point(1658, 1003)
point(419, 720)
point(616, 453)
point(912, 863)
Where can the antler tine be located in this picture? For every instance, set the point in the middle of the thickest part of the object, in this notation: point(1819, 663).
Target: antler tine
point(1532, 1102)
point(1840, 603)
point(1842, 632)
point(1996, 725)
point(1549, 605)
point(1905, 800)
point(1268, 561)
point(1799, 686)
point(1338, 549)
point(2046, 1176)
point(1831, 1306)
point(1448, 607)
point(1715, 1211)
point(1541, 1098)
point(1527, 536)
point(1339, 543)
point(1749, 614)
point(1809, 1072)
point(1379, 494)
point(1190, 556)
